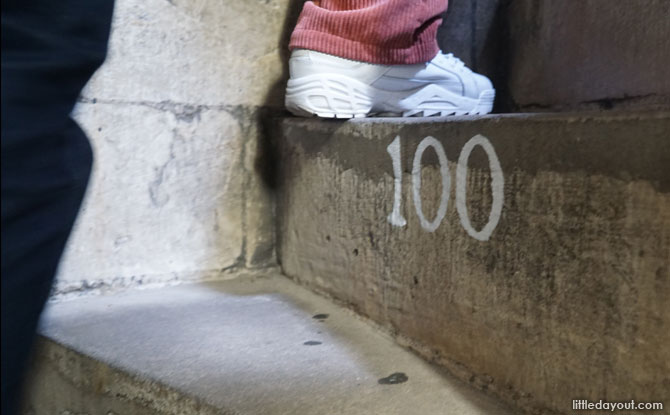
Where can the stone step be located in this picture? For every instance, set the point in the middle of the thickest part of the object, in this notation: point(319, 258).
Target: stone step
point(254, 345)
point(528, 254)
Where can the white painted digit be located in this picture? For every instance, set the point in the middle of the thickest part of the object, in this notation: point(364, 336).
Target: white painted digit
point(497, 188)
point(416, 183)
point(396, 218)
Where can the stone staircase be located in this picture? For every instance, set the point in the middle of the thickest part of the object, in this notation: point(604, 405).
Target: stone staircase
point(471, 265)
point(491, 265)
point(528, 254)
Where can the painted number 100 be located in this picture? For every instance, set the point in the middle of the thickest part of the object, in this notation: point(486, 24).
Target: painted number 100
point(396, 217)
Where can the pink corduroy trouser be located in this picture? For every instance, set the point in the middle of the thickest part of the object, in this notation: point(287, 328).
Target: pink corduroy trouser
point(377, 31)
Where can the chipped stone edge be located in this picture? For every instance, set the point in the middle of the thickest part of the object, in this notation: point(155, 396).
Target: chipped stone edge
point(91, 377)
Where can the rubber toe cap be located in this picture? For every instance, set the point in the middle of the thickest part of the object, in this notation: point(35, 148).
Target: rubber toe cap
point(483, 83)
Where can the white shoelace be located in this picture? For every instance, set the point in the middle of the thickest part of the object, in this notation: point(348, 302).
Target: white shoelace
point(454, 60)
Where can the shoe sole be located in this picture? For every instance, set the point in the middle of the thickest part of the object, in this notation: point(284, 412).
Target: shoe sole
point(338, 96)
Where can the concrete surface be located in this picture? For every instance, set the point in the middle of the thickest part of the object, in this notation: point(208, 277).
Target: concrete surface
point(566, 299)
point(249, 346)
point(179, 189)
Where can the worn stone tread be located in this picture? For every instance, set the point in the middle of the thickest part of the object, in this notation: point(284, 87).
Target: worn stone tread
point(246, 346)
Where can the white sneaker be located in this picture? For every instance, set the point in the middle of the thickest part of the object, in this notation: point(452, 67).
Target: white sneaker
point(332, 87)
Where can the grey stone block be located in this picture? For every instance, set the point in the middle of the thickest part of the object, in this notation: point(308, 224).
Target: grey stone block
point(545, 55)
point(195, 52)
point(593, 53)
point(176, 118)
point(166, 196)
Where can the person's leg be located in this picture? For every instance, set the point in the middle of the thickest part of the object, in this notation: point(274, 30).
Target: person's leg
point(356, 58)
point(376, 31)
point(49, 51)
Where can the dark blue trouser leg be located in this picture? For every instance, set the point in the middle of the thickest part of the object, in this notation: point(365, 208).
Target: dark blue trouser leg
point(50, 49)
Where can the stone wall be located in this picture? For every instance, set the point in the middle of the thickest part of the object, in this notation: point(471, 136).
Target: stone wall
point(546, 55)
point(180, 188)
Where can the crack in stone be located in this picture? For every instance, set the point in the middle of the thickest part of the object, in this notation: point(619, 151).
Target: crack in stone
point(182, 111)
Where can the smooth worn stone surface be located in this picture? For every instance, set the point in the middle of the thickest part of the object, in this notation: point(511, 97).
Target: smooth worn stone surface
point(530, 255)
point(235, 347)
point(165, 200)
point(180, 189)
point(196, 52)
